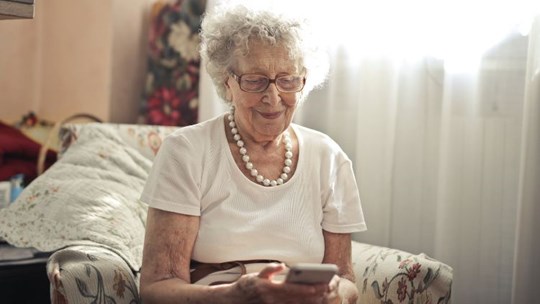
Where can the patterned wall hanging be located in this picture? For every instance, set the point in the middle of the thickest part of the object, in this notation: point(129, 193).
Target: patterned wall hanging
point(171, 91)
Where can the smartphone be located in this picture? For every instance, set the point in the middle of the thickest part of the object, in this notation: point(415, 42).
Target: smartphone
point(311, 273)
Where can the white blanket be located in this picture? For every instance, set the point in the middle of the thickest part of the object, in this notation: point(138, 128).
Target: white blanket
point(90, 196)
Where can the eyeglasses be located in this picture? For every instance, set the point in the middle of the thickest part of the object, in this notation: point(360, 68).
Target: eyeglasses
point(256, 83)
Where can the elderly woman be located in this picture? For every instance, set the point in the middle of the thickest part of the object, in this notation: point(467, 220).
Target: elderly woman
point(250, 192)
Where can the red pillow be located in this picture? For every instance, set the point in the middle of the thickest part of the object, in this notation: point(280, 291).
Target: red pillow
point(19, 154)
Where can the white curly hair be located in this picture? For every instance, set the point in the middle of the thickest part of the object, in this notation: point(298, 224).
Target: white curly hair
point(228, 30)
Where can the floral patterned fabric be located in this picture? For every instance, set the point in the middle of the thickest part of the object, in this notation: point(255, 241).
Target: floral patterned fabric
point(90, 196)
point(146, 139)
point(171, 92)
point(85, 274)
point(385, 276)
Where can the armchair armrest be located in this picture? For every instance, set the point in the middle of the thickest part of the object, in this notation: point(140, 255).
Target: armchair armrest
point(385, 275)
point(86, 274)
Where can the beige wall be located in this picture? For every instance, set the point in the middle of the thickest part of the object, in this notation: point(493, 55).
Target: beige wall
point(130, 31)
point(82, 56)
point(18, 44)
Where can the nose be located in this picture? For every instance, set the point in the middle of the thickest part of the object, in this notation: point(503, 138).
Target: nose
point(271, 94)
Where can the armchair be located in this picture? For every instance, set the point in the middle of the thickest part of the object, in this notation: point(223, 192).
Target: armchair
point(86, 210)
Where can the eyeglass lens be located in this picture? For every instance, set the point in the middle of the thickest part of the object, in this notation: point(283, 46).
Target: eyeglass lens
point(259, 83)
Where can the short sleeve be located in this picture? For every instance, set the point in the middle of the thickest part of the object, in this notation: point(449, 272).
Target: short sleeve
point(342, 210)
point(174, 180)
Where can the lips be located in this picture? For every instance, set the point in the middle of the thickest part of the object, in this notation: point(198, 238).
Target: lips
point(272, 115)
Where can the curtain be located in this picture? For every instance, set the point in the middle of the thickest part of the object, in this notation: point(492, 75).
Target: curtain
point(527, 249)
point(445, 145)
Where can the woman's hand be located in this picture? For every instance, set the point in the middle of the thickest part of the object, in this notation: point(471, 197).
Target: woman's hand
point(332, 296)
point(260, 288)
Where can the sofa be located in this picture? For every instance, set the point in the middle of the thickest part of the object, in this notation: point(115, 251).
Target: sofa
point(85, 211)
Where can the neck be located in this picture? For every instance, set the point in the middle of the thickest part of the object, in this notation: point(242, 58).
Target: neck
point(264, 142)
point(243, 146)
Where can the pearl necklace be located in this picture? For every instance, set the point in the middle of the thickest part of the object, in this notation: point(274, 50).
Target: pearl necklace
point(249, 165)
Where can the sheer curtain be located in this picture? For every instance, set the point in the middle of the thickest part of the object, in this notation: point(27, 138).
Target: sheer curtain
point(440, 116)
point(527, 249)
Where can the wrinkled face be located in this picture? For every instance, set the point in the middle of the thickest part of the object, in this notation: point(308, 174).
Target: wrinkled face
point(263, 116)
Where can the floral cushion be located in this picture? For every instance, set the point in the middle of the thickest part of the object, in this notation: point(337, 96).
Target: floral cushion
point(90, 196)
point(385, 275)
point(146, 139)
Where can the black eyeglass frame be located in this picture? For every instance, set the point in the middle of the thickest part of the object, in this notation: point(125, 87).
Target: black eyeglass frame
point(238, 79)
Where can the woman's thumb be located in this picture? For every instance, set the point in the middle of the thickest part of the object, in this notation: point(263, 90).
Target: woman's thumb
point(270, 270)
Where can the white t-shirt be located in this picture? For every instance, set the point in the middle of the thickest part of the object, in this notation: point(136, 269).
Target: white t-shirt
point(194, 173)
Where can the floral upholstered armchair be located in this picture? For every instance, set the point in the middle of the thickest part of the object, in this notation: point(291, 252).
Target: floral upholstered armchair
point(85, 209)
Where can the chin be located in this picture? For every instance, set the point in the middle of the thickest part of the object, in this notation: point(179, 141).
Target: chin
point(274, 130)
